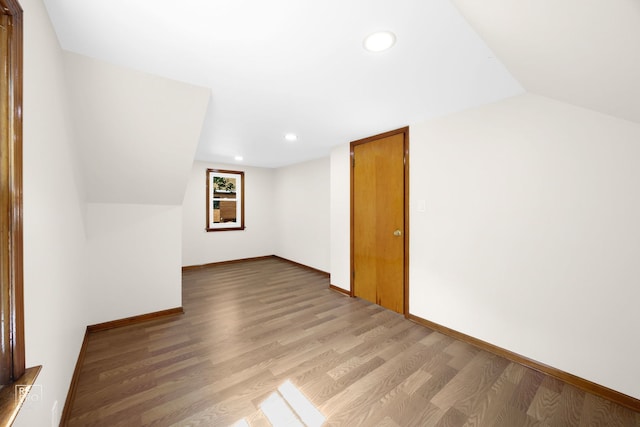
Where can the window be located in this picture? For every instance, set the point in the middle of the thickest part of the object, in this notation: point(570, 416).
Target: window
point(225, 200)
point(15, 380)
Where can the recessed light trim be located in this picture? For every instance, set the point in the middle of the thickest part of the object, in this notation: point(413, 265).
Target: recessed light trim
point(291, 137)
point(379, 41)
point(238, 158)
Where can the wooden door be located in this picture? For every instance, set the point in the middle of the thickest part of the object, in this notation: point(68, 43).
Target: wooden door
point(378, 219)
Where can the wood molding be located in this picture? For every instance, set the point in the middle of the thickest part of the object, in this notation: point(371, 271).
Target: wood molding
point(15, 379)
point(11, 401)
point(581, 383)
point(340, 290)
point(66, 412)
point(134, 320)
point(209, 201)
point(406, 221)
point(233, 261)
point(71, 394)
point(12, 351)
point(324, 273)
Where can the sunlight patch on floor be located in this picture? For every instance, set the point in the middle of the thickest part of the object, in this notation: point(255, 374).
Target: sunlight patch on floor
point(280, 414)
point(308, 413)
point(286, 407)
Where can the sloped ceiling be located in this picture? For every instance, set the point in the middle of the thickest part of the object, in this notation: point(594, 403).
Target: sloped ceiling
point(584, 52)
point(293, 66)
point(136, 132)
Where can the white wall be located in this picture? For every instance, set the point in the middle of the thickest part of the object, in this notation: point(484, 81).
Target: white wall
point(133, 253)
point(201, 247)
point(70, 282)
point(340, 208)
point(301, 207)
point(286, 214)
point(54, 261)
point(531, 237)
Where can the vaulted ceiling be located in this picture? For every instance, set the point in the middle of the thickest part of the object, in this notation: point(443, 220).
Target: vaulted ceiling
point(299, 66)
point(584, 52)
point(136, 133)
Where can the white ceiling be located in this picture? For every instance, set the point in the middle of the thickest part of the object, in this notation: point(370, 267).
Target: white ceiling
point(584, 52)
point(294, 66)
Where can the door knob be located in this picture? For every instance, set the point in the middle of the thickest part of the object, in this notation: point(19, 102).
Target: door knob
point(397, 233)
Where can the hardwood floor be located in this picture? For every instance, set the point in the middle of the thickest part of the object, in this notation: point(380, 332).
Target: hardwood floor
point(248, 327)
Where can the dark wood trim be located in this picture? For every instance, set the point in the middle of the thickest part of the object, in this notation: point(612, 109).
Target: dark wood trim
point(406, 221)
point(340, 290)
point(17, 321)
point(66, 412)
point(306, 267)
point(352, 157)
point(11, 401)
point(13, 374)
point(71, 394)
point(233, 261)
point(12, 365)
point(405, 132)
point(208, 201)
point(209, 230)
point(134, 320)
point(586, 385)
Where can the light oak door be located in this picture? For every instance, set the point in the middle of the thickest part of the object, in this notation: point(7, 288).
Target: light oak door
point(378, 219)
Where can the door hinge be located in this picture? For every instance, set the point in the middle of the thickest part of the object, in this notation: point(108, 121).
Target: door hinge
point(353, 161)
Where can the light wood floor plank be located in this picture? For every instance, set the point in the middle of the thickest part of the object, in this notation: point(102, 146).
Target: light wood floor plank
point(250, 326)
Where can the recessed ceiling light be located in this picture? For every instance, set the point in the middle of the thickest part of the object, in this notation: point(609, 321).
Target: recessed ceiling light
point(291, 137)
point(380, 41)
point(238, 158)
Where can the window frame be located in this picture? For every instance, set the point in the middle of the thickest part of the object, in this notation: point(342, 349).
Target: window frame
point(15, 380)
point(211, 224)
point(12, 357)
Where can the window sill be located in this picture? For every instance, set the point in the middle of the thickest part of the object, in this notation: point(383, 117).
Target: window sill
point(11, 400)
